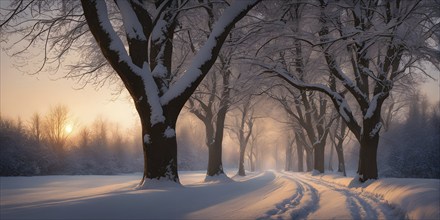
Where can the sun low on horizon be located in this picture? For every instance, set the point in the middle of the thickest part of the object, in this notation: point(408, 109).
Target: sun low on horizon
point(68, 128)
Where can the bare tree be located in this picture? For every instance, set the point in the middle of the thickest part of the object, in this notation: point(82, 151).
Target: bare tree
point(145, 68)
point(338, 135)
point(84, 137)
point(253, 151)
point(302, 146)
point(243, 128)
point(36, 125)
point(308, 112)
point(55, 128)
point(290, 152)
point(212, 112)
point(216, 96)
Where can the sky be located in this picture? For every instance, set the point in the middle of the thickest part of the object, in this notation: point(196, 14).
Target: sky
point(22, 95)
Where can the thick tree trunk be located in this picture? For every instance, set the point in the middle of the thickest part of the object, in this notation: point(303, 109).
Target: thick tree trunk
point(214, 159)
point(319, 157)
point(215, 166)
point(330, 159)
point(368, 157)
point(241, 171)
point(341, 160)
point(309, 160)
point(369, 141)
point(160, 152)
point(338, 146)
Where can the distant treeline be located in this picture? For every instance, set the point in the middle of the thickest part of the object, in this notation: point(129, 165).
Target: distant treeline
point(53, 144)
point(49, 145)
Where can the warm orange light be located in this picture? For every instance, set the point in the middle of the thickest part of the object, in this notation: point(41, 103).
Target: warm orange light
point(68, 128)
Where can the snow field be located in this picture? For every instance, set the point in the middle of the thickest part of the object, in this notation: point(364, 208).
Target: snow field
point(114, 197)
point(267, 195)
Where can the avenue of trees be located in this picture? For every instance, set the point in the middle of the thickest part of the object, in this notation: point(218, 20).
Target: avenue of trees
point(360, 50)
point(333, 70)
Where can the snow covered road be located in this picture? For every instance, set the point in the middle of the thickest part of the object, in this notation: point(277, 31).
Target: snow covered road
point(315, 199)
point(268, 195)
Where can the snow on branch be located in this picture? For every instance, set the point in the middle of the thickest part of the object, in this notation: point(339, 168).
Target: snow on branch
point(152, 92)
point(115, 43)
point(345, 80)
point(338, 100)
point(133, 27)
point(376, 129)
point(206, 53)
point(112, 45)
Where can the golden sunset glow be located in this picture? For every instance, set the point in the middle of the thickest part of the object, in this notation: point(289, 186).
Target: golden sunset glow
point(22, 95)
point(69, 128)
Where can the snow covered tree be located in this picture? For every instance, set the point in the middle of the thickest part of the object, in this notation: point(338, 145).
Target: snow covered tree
point(338, 134)
point(210, 105)
point(290, 152)
point(243, 127)
point(309, 112)
point(366, 46)
point(216, 96)
point(140, 53)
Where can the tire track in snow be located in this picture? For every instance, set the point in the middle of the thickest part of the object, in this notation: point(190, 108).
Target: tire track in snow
point(361, 205)
point(304, 201)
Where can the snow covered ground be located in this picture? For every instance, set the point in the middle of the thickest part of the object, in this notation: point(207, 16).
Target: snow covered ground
point(270, 194)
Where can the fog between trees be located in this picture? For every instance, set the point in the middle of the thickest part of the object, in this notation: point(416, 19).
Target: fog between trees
point(409, 147)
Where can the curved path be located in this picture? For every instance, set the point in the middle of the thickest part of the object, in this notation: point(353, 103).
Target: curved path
point(317, 199)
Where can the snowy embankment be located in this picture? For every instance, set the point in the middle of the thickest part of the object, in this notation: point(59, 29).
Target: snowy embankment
point(415, 198)
point(267, 195)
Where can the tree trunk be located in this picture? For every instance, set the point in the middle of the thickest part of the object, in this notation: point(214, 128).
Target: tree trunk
point(252, 165)
point(241, 171)
point(338, 146)
point(289, 158)
point(215, 166)
point(319, 157)
point(369, 141)
point(330, 159)
point(341, 161)
point(368, 157)
point(309, 160)
point(251, 159)
point(160, 152)
point(300, 150)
